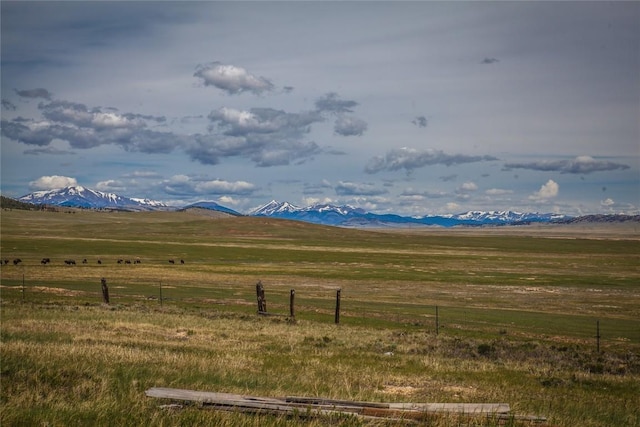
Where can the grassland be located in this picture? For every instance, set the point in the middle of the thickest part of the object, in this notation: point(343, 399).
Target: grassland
point(517, 314)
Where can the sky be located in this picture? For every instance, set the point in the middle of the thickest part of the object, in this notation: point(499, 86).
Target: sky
point(414, 108)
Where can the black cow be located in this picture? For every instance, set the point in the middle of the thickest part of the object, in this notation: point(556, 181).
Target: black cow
point(171, 261)
point(70, 261)
point(99, 262)
point(45, 261)
point(120, 261)
point(84, 261)
point(5, 261)
point(17, 261)
point(181, 261)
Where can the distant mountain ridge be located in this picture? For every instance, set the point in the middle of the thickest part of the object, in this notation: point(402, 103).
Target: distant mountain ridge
point(82, 197)
point(324, 214)
point(357, 217)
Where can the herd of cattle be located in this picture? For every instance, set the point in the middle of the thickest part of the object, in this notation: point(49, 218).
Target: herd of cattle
point(45, 261)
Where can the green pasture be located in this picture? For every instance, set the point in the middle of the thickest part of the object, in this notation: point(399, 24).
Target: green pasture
point(516, 316)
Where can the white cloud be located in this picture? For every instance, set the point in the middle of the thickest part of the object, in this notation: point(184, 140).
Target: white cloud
point(607, 203)
point(467, 187)
point(547, 191)
point(232, 79)
point(497, 192)
point(52, 182)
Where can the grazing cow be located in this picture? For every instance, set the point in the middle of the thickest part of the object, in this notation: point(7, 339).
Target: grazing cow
point(128, 261)
point(171, 261)
point(5, 261)
point(84, 261)
point(137, 261)
point(181, 261)
point(17, 261)
point(99, 262)
point(45, 261)
point(120, 261)
point(70, 261)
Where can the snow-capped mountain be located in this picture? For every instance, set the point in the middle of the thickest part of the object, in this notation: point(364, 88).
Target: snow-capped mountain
point(82, 197)
point(325, 214)
point(355, 217)
point(274, 208)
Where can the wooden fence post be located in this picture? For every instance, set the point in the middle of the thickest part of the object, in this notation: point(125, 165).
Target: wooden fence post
point(262, 300)
point(338, 306)
point(292, 296)
point(105, 291)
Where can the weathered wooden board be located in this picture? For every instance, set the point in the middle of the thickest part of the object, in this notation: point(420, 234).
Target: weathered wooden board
point(295, 403)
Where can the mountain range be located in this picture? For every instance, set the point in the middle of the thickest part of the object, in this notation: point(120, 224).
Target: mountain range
point(345, 216)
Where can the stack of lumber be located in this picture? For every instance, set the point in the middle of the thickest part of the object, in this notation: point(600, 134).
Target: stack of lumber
point(314, 407)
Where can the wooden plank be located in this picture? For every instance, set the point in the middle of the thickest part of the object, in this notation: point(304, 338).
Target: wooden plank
point(460, 408)
point(319, 406)
point(338, 402)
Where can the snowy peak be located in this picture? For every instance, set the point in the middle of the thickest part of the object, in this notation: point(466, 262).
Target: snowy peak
point(273, 208)
point(81, 197)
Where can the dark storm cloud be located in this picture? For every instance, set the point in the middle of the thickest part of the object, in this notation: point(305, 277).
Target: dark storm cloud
point(579, 165)
point(410, 159)
point(34, 93)
point(420, 121)
point(489, 61)
point(232, 79)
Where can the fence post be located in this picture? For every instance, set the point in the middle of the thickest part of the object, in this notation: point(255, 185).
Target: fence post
point(262, 300)
point(437, 322)
point(338, 306)
point(292, 297)
point(598, 335)
point(105, 291)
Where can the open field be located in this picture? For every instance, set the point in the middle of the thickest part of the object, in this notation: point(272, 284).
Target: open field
point(517, 313)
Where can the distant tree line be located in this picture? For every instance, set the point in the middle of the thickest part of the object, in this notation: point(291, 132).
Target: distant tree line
point(9, 203)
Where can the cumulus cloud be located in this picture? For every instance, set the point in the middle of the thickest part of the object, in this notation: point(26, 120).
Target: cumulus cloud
point(410, 159)
point(579, 165)
point(411, 194)
point(111, 185)
point(232, 79)
point(186, 185)
point(346, 188)
point(420, 121)
point(52, 182)
point(547, 191)
point(467, 187)
point(331, 103)
point(34, 93)
point(497, 192)
point(350, 126)
point(267, 136)
point(84, 127)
